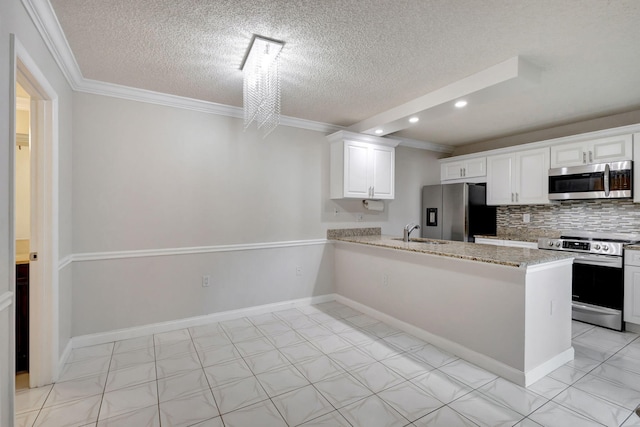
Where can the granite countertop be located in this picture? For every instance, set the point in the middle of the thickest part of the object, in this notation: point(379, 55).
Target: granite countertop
point(632, 247)
point(523, 235)
point(503, 255)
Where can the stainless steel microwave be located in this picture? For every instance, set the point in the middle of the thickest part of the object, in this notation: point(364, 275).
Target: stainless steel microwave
point(598, 181)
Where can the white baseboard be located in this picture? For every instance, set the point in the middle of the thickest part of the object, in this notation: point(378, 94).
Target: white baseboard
point(550, 365)
point(512, 374)
point(632, 327)
point(63, 359)
point(139, 331)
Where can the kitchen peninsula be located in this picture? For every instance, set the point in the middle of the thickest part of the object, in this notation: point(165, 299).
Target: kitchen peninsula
point(505, 309)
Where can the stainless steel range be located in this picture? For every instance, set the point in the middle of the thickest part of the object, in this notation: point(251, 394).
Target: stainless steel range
point(598, 278)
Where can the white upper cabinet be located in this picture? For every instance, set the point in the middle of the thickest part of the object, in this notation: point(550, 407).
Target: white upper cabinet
point(601, 150)
point(470, 168)
point(383, 163)
point(518, 178)
point(362, 166)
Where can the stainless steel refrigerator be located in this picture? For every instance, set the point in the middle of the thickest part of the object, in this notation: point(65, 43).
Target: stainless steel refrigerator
point(456, 212)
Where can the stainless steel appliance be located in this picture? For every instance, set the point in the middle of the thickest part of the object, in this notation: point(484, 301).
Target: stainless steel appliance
point(456, 212)
point(598, 279)
point(598, 181)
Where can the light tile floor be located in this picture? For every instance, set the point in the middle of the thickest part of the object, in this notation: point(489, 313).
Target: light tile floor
point(327, 365)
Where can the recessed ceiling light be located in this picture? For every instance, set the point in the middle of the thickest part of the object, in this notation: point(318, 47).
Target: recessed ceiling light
point(379, 131)
point(461, 104)
point(414, 120)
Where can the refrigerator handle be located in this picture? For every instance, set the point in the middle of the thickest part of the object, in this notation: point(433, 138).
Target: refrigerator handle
point(432, 217)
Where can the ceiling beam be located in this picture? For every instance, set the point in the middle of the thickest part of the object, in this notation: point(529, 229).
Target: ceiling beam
point(481, 87)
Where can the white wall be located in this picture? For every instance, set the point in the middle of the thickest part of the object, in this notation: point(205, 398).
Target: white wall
point(156, 177)
point(152, 177)
point(123, 293)
point(149, 176)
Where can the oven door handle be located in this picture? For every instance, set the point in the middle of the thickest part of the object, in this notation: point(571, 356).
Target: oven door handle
point(607, 172)
point(588, 308)
point(615, 262)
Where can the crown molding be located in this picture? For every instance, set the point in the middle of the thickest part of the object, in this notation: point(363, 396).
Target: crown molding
point(47, 24)
point(424, 145)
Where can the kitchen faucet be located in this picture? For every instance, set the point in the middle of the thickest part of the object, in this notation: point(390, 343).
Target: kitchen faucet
point(408, 229)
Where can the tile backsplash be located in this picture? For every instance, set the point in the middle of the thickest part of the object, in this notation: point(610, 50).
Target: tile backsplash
point(589, 215)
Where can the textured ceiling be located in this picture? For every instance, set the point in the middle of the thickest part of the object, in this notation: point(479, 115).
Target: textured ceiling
point(347, 60)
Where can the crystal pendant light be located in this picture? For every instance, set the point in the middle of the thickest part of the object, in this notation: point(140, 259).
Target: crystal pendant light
point(261, 94)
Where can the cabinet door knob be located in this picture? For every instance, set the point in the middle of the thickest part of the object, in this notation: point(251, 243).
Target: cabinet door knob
point(590, 156)
point(512, 197)
point(584, 157)
point(516, 197)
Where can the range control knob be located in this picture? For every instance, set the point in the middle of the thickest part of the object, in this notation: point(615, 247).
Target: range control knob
point(550, 243)
point(558, 244)
point(605, 248)
point(596, 247)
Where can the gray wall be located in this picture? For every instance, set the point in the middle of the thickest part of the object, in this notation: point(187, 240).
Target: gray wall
point(150, 177)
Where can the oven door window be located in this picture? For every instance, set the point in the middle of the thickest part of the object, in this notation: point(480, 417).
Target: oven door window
point(580, 183)
point(597, 285)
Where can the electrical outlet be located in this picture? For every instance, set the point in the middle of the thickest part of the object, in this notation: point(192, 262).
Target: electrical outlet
point(385, 280)
point(206, 280)
point(526, 218)
point(298, 271)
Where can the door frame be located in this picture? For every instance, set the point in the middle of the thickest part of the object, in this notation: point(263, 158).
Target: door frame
point(43, 280)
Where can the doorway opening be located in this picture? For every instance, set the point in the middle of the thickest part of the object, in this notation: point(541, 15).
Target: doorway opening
point(43, 353)
point(22, 232)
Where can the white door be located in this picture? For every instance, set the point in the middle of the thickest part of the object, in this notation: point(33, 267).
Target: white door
point(531, 179)
point(356, 179)
point(43, 298)
point(451, 171)
point(382, 166)
point(475, 168)
point(632, 294)
point(500, 180)
point(611, 149)
point(565, 155)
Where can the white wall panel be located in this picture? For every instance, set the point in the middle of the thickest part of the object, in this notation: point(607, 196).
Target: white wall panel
point(123, 293)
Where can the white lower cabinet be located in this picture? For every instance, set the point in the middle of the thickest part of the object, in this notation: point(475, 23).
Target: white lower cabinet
point(519, 178)
point(632, 286)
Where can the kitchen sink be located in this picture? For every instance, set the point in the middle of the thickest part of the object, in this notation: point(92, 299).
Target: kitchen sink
point(423, 240)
